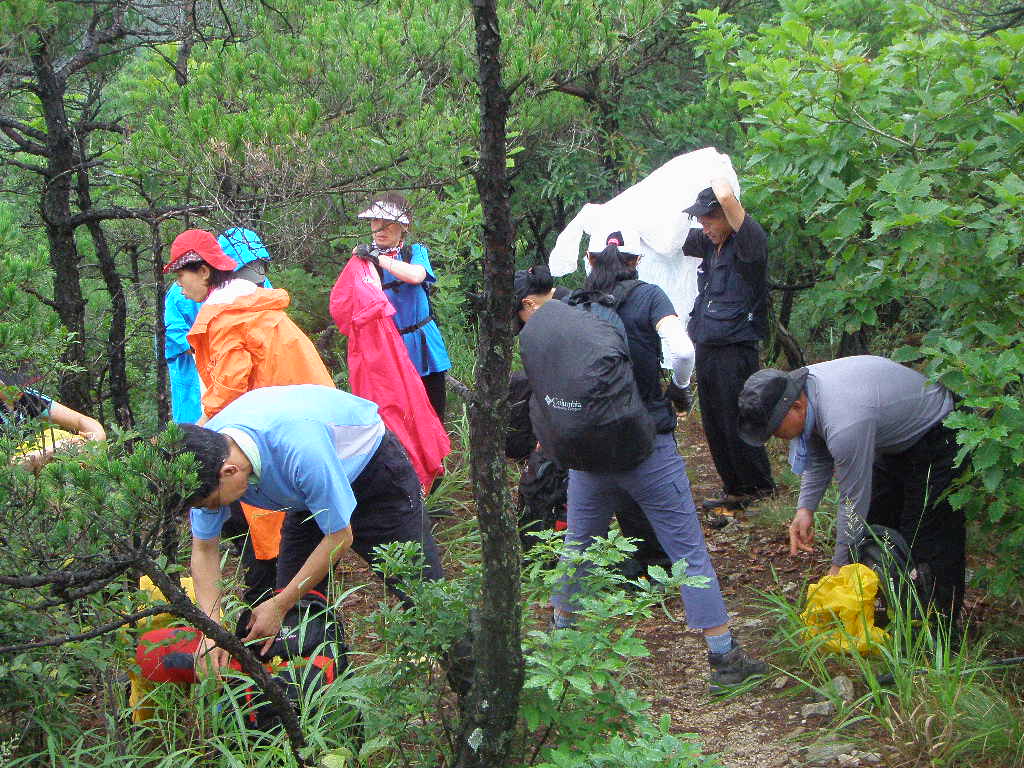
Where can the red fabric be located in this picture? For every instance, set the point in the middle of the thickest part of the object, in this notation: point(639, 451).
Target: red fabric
point(176, 647)
point(379, 368)
point(168, 656)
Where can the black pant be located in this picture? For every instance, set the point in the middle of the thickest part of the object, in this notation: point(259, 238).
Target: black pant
point(908, 493)
point(721, 374)
point(389, 508)
point(437, 392)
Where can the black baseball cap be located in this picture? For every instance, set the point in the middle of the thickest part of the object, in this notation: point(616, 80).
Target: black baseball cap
point(706, 203)
point(764, 401)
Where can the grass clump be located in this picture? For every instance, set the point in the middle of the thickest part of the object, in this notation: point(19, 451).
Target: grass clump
point(935, 696)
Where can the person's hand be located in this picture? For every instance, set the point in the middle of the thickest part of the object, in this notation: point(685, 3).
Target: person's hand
point(265, 623)
point(834, 570)
point(209, 658)
point(801, 532)
point(722, 188)
point(681, 397)
point(367, 253)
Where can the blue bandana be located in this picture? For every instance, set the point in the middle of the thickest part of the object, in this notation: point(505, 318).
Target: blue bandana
point(798, 445)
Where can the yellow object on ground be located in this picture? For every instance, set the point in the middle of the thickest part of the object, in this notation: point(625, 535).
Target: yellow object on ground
point(141, 688)
point(50, 439)
point(843, 606)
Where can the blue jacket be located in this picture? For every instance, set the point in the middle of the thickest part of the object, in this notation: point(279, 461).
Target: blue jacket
point(179, 314)
point(307, 445)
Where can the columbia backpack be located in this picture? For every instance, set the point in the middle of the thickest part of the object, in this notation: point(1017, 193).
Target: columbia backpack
point(585, 407)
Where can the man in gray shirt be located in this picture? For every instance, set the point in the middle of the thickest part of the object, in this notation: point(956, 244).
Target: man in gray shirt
point(877, 426)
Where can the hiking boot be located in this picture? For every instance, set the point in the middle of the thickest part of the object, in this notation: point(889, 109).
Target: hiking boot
point(738, 500)
point(728, 501)
point(732, 668)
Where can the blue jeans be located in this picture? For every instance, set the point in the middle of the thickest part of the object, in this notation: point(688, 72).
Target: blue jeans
point(660, 487)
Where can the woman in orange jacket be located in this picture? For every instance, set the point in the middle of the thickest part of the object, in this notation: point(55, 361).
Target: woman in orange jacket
point(242, 340)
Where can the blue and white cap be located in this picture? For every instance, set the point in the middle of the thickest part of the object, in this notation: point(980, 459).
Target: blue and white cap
point(243, 245)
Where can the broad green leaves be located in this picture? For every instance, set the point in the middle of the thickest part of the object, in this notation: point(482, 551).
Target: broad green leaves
point(898, 151)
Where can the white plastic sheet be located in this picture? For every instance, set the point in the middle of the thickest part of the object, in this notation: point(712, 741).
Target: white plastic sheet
point(651, 209)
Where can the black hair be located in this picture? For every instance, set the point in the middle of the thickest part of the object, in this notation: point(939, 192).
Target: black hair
point(533, 281)
point(397, 200)
point(609, 267)
point(210, 450)
point(217, 276)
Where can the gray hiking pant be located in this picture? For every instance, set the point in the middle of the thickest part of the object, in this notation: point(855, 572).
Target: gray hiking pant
point(660, 487)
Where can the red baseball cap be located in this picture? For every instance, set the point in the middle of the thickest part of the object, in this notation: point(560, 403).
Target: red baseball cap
point(195, 245)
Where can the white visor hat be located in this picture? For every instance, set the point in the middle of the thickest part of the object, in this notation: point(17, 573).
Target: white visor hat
point(387, 212)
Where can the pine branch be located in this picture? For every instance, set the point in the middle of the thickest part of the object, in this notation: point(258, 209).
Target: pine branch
point(103, 629)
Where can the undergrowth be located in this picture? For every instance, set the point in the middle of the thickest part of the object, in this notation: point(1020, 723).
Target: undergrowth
point(937, 700)
point(67, 706)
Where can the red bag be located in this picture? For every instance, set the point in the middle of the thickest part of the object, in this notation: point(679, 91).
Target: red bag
point(379, 368)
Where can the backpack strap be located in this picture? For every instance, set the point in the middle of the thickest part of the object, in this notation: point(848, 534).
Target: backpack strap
point(622, 290)
point(405, 254)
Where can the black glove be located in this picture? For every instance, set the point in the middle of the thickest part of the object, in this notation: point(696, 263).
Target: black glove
point(681, 397)
point(368, 253)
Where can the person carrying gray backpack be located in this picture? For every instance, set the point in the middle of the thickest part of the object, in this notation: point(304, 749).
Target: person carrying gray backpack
point(645, 468)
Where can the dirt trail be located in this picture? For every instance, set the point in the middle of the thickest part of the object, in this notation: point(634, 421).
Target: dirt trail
point(761, 728)
point(755, 728)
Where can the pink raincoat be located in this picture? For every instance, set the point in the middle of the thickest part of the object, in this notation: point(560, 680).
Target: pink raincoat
point(379, 368)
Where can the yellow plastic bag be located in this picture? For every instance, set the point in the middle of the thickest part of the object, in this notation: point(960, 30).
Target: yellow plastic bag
point(49, 439)
point(843, 606)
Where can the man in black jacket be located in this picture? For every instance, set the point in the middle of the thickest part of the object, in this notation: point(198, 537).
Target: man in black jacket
point(728, 320)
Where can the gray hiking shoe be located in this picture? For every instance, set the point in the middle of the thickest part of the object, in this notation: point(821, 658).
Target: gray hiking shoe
point(732, 668)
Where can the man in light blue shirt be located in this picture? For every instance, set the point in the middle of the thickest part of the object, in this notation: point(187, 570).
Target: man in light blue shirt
point(326, 458)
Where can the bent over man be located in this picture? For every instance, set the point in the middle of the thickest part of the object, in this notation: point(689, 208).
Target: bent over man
point(876, 425)
point(325, 457)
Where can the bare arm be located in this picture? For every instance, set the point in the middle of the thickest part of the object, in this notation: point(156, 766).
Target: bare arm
point(206, 578)
point(407, 273)
point(414, 274)
point(267, 616)
point(76, 422)
point(734, 212)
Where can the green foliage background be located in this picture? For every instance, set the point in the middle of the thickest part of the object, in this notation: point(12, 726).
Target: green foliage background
point(879, 141)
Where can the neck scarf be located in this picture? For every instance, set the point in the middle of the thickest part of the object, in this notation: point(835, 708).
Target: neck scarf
point(393, 251)
point(798, 445)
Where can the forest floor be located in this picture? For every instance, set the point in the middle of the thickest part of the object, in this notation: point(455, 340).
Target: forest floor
point(761, 727)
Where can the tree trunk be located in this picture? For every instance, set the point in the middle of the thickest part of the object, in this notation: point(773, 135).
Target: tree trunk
point(163, 402)
point(55, 207)
point(116, 358)
point(490, 709)
point(855, 343)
